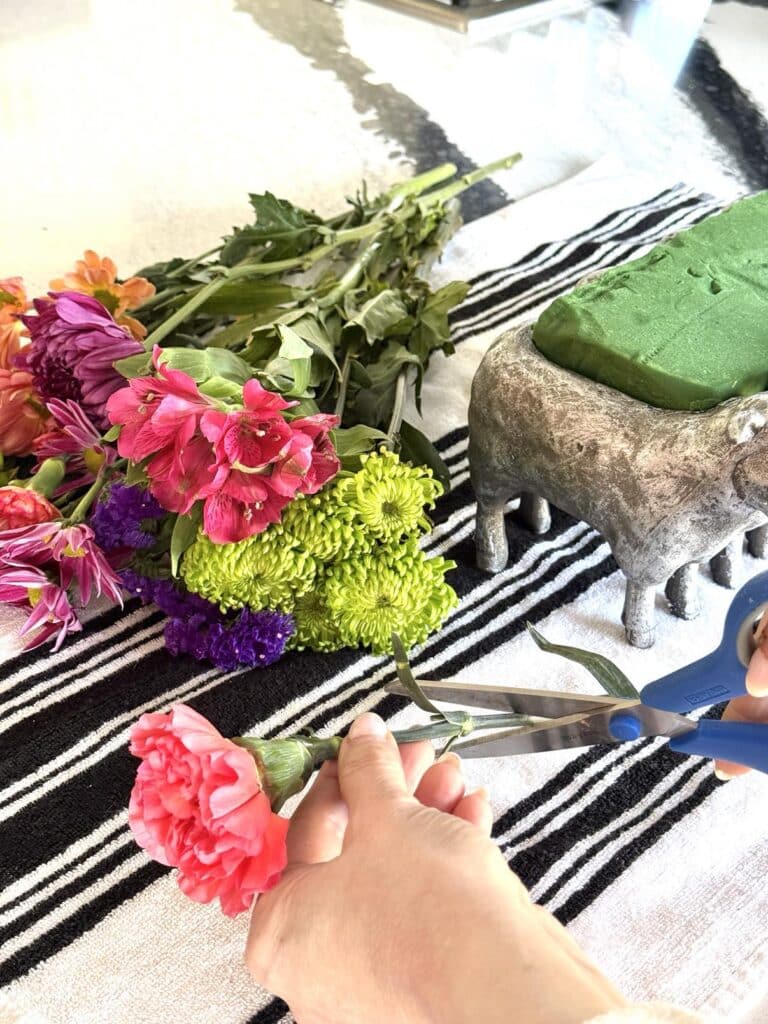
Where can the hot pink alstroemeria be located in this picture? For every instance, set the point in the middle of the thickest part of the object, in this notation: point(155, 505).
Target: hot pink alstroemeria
point(160, 417)
point(311, 460)
point(244, 464)
point(76, 438)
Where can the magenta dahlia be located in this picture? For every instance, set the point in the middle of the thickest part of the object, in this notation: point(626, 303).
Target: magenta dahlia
point(75, 342)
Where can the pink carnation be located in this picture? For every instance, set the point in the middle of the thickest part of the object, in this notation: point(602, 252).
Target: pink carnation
point(198, 805)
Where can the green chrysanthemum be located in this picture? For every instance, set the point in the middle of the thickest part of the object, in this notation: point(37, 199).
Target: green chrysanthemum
point(265, 571)
point(389, 496)
point(315, 623)
point(324, 527)
point(394, 589)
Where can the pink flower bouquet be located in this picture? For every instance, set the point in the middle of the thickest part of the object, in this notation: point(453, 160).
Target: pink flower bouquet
point(218, 439)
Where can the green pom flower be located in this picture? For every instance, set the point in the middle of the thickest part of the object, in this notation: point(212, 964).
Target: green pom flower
point(315, 624)
point(389, 496)
point(393, 589)
point(265, 571)
point(345, 562)
point(325, 527)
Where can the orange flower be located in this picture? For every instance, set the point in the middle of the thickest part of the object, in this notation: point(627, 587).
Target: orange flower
point(13, 301)
point(23, 416)
point(97, 276)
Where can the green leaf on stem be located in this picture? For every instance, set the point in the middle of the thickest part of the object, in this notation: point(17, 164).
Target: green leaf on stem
point(234, 334)
point(408, 680)
point(184, 534)
point(113, 433)
point(222, 389)
point(610, 676)
point(286, 230)
point(356, 440)
point(378, 315)
point(252, 296)
point(310, 330)
point(202, 364)
point(134, 366)
point(415, 447)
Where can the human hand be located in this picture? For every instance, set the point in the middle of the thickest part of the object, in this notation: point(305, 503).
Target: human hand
point(396, 906)
point(753, 707)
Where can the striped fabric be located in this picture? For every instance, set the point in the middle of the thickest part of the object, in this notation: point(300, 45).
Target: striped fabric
point(81, 905)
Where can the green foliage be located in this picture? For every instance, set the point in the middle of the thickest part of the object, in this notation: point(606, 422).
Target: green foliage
point(610, 676)
point(358, 321)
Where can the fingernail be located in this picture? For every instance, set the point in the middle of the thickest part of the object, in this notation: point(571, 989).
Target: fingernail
point(449, 758)
point(368, 724)
point(483, 793)
point(722, 776)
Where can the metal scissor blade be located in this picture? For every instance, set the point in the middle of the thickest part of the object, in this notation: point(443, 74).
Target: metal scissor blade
point(540, 703)
point(581, 730)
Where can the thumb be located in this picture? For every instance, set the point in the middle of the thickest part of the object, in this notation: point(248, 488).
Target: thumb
point(370, 769)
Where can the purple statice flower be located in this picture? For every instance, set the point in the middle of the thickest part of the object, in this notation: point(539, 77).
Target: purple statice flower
point(119, 520)
point(197, 627)
point(255, 638)
point(75, 341)
point(169, 598)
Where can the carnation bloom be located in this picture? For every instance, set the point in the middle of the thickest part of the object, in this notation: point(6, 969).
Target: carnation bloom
point(53, 559)
point(20, 506)
point(73, 436)
point(97, 276)
point(22, 414)
point(199, 804)
point(74, 343)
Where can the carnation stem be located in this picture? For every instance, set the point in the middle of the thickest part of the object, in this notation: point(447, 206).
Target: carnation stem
point(340, 238)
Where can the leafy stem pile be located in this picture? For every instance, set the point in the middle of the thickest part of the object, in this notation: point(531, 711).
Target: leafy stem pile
point(333, 313)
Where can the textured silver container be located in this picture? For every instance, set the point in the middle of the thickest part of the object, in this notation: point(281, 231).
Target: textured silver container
point(666, 489)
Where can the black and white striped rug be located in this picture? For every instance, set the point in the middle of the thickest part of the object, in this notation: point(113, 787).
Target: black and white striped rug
point(609, 838)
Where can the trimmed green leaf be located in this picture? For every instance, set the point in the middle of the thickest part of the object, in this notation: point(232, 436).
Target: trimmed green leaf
point(184, 535)
point(415, 447)
point(297, 353)
point(610, 676)
point(202, 364)
point(408, 680)
point(292, 345)
point(134, 366)
point(113, 433)
point(356, 440)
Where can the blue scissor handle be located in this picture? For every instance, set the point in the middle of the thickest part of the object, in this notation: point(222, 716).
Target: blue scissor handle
point(721, 674)
point(741, 742)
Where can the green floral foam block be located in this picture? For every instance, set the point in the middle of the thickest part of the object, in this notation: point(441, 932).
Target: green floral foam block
point(683, 327)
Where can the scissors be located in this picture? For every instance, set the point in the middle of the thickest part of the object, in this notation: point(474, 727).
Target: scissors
point(573, 720)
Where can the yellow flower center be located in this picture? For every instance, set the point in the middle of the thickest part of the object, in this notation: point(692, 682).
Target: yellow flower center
point(71, 552)
point(93, 460)
point(33, 596)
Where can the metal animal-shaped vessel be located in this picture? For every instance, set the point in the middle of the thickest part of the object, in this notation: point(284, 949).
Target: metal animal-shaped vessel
point(666, 489)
